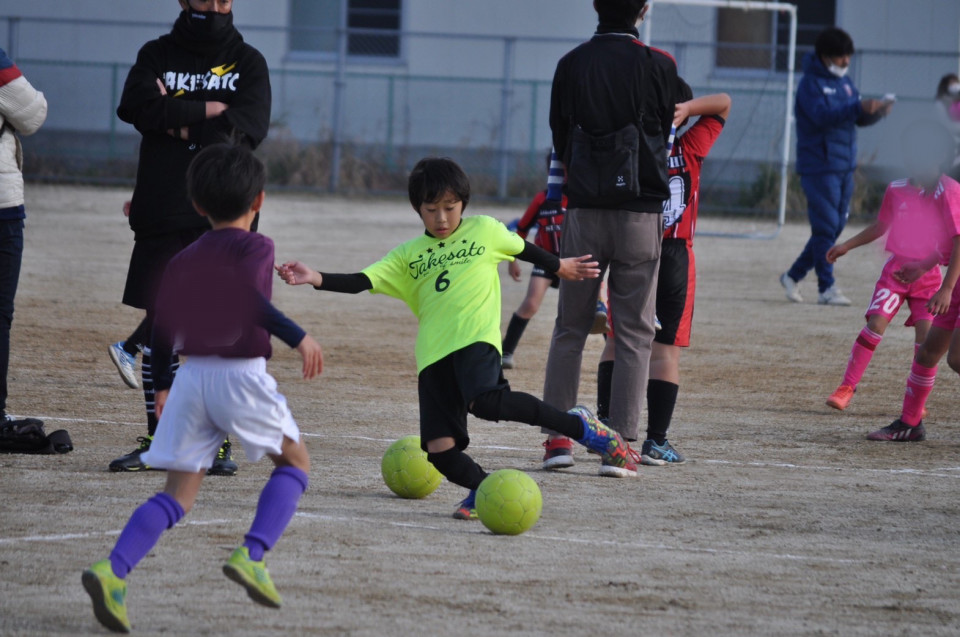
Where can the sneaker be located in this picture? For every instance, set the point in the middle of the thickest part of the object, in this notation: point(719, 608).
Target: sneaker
point(253, 576)
point(628, 470)
point(654, 455)
point(657, 325)
point(842, 397)
point(899, 431)
point(126, 364)
point(223, 464)
point(131, 461)
point(467, 509)
point(600, 319)
point(507, 361)
point(600, 438)
point(791, 287)
point(559, 453)
point(833, 296)
point(109, 596)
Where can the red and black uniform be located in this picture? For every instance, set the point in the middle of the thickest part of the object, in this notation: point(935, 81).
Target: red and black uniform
point(677, 280)
point(547, 217)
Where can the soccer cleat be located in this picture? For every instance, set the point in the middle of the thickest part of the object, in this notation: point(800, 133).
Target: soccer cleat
point(628, 470)
point(108, 594)
point(507, 361)
point(131, 461)
point(467, 509)
point(600, 319)
point(657, 325)
point(899, 431)
point(600, 438)
point(126, 364)
point(842, 397)
point(654, 455)
point(559, 453)
point(833, 296)
point(223, 464)
point(791, 287)
point(253, 576)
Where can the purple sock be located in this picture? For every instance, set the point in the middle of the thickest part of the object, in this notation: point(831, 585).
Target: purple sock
point(277, 504)
point(142, 531)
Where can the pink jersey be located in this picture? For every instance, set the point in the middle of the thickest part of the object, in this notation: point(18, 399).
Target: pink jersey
point(919, 223)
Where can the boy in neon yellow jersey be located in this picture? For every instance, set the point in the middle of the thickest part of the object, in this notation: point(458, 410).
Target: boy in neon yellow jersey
point(448, 278)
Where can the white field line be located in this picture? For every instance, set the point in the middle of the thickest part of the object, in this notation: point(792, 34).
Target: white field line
point(936, 472)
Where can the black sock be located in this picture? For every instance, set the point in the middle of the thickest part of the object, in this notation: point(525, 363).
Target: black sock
point(516, 406)
point(604, 383)
point(458, 468)
point(139, 338)
point(149, 397)
point(514, 332)
point(661, 400)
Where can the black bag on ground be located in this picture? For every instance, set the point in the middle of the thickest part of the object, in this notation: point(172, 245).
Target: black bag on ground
point(28, 436)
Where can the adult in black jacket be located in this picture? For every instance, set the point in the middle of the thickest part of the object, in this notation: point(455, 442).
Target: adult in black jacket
point(615, 95)
point(200, 84)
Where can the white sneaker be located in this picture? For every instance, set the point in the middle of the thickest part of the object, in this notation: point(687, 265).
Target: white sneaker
point(507, 361)
point(126, 364)
point(833, 296)
point(792, 288)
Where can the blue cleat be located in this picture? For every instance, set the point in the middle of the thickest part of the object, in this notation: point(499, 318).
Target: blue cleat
point(655, 455)
point(600, 438)
point(467, 509)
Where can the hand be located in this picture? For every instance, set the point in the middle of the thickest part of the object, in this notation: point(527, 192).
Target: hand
point(939, 303)
point(312, 357)
point(160, 401)
point(836, 252)
point(680, 113)
point(872, 106)
point(296, 273)
point(126, 208)
point(886, 108)
point(910, 272)
point(179, 133)
point(163, 89)
point(215, 109)
point(578, 268)
point(514, 270)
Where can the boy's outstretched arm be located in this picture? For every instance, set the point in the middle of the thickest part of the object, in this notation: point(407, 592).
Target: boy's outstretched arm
point(939, 303)
point(868, 235)
point(716, 104)
point(296, 273)
point(571, 268)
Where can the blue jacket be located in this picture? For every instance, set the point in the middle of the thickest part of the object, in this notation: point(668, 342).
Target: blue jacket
point(828, 111)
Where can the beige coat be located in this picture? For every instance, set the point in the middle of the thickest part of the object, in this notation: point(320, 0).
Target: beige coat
point(23, 109)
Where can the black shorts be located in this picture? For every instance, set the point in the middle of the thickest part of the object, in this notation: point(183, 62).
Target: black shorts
point(676, 285)
point(148, 263)
point(448, 386)
point(540, 272)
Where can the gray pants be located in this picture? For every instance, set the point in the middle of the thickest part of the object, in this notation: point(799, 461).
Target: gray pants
point(628, 244)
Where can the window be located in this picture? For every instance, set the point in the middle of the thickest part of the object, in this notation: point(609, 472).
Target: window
point(759, 40)
point(314, 23)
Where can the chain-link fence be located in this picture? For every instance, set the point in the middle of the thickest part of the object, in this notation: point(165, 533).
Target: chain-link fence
point(355, 115)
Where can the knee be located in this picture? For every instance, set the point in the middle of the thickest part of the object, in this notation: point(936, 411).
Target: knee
point(487, 406)
point(529, 307)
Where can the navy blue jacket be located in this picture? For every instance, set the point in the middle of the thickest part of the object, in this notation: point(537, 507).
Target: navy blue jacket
point(828, 111)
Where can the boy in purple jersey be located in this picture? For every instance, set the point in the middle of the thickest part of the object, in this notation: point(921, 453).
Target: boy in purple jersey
point(222, 320)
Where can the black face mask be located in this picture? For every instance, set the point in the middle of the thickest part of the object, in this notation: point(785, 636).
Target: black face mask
point(209, 24)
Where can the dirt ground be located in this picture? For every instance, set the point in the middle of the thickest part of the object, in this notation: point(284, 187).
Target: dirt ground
point(786, 521)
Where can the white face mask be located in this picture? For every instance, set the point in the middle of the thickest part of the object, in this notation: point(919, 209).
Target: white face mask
point(953, 89)
point(839, 71)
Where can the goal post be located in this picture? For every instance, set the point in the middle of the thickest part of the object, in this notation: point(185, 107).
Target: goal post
point(787, 121)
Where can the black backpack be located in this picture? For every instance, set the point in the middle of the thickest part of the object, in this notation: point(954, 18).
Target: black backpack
point(27, 436)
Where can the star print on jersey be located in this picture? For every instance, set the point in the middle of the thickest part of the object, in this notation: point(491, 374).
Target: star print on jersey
point(219, 78)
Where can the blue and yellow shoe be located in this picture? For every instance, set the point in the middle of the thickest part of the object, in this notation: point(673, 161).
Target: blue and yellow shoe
point(467, 509)
point(600, 438)
point(253, 576)
point(655, 455)
point(109, 596)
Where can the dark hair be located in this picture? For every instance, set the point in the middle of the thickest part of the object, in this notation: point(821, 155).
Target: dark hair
point(684, 94)
point(223, 180)
point(619, 12)
point(945, 82)
point(833, 42)
point(434, 176)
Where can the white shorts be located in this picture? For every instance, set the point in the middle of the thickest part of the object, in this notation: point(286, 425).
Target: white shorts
point(211, 398)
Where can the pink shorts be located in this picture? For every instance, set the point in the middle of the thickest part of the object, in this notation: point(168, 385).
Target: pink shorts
point(890, 294)
point(950, 320)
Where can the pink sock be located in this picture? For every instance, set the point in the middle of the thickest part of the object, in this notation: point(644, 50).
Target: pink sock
point(860, 356)
point(919, 385)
